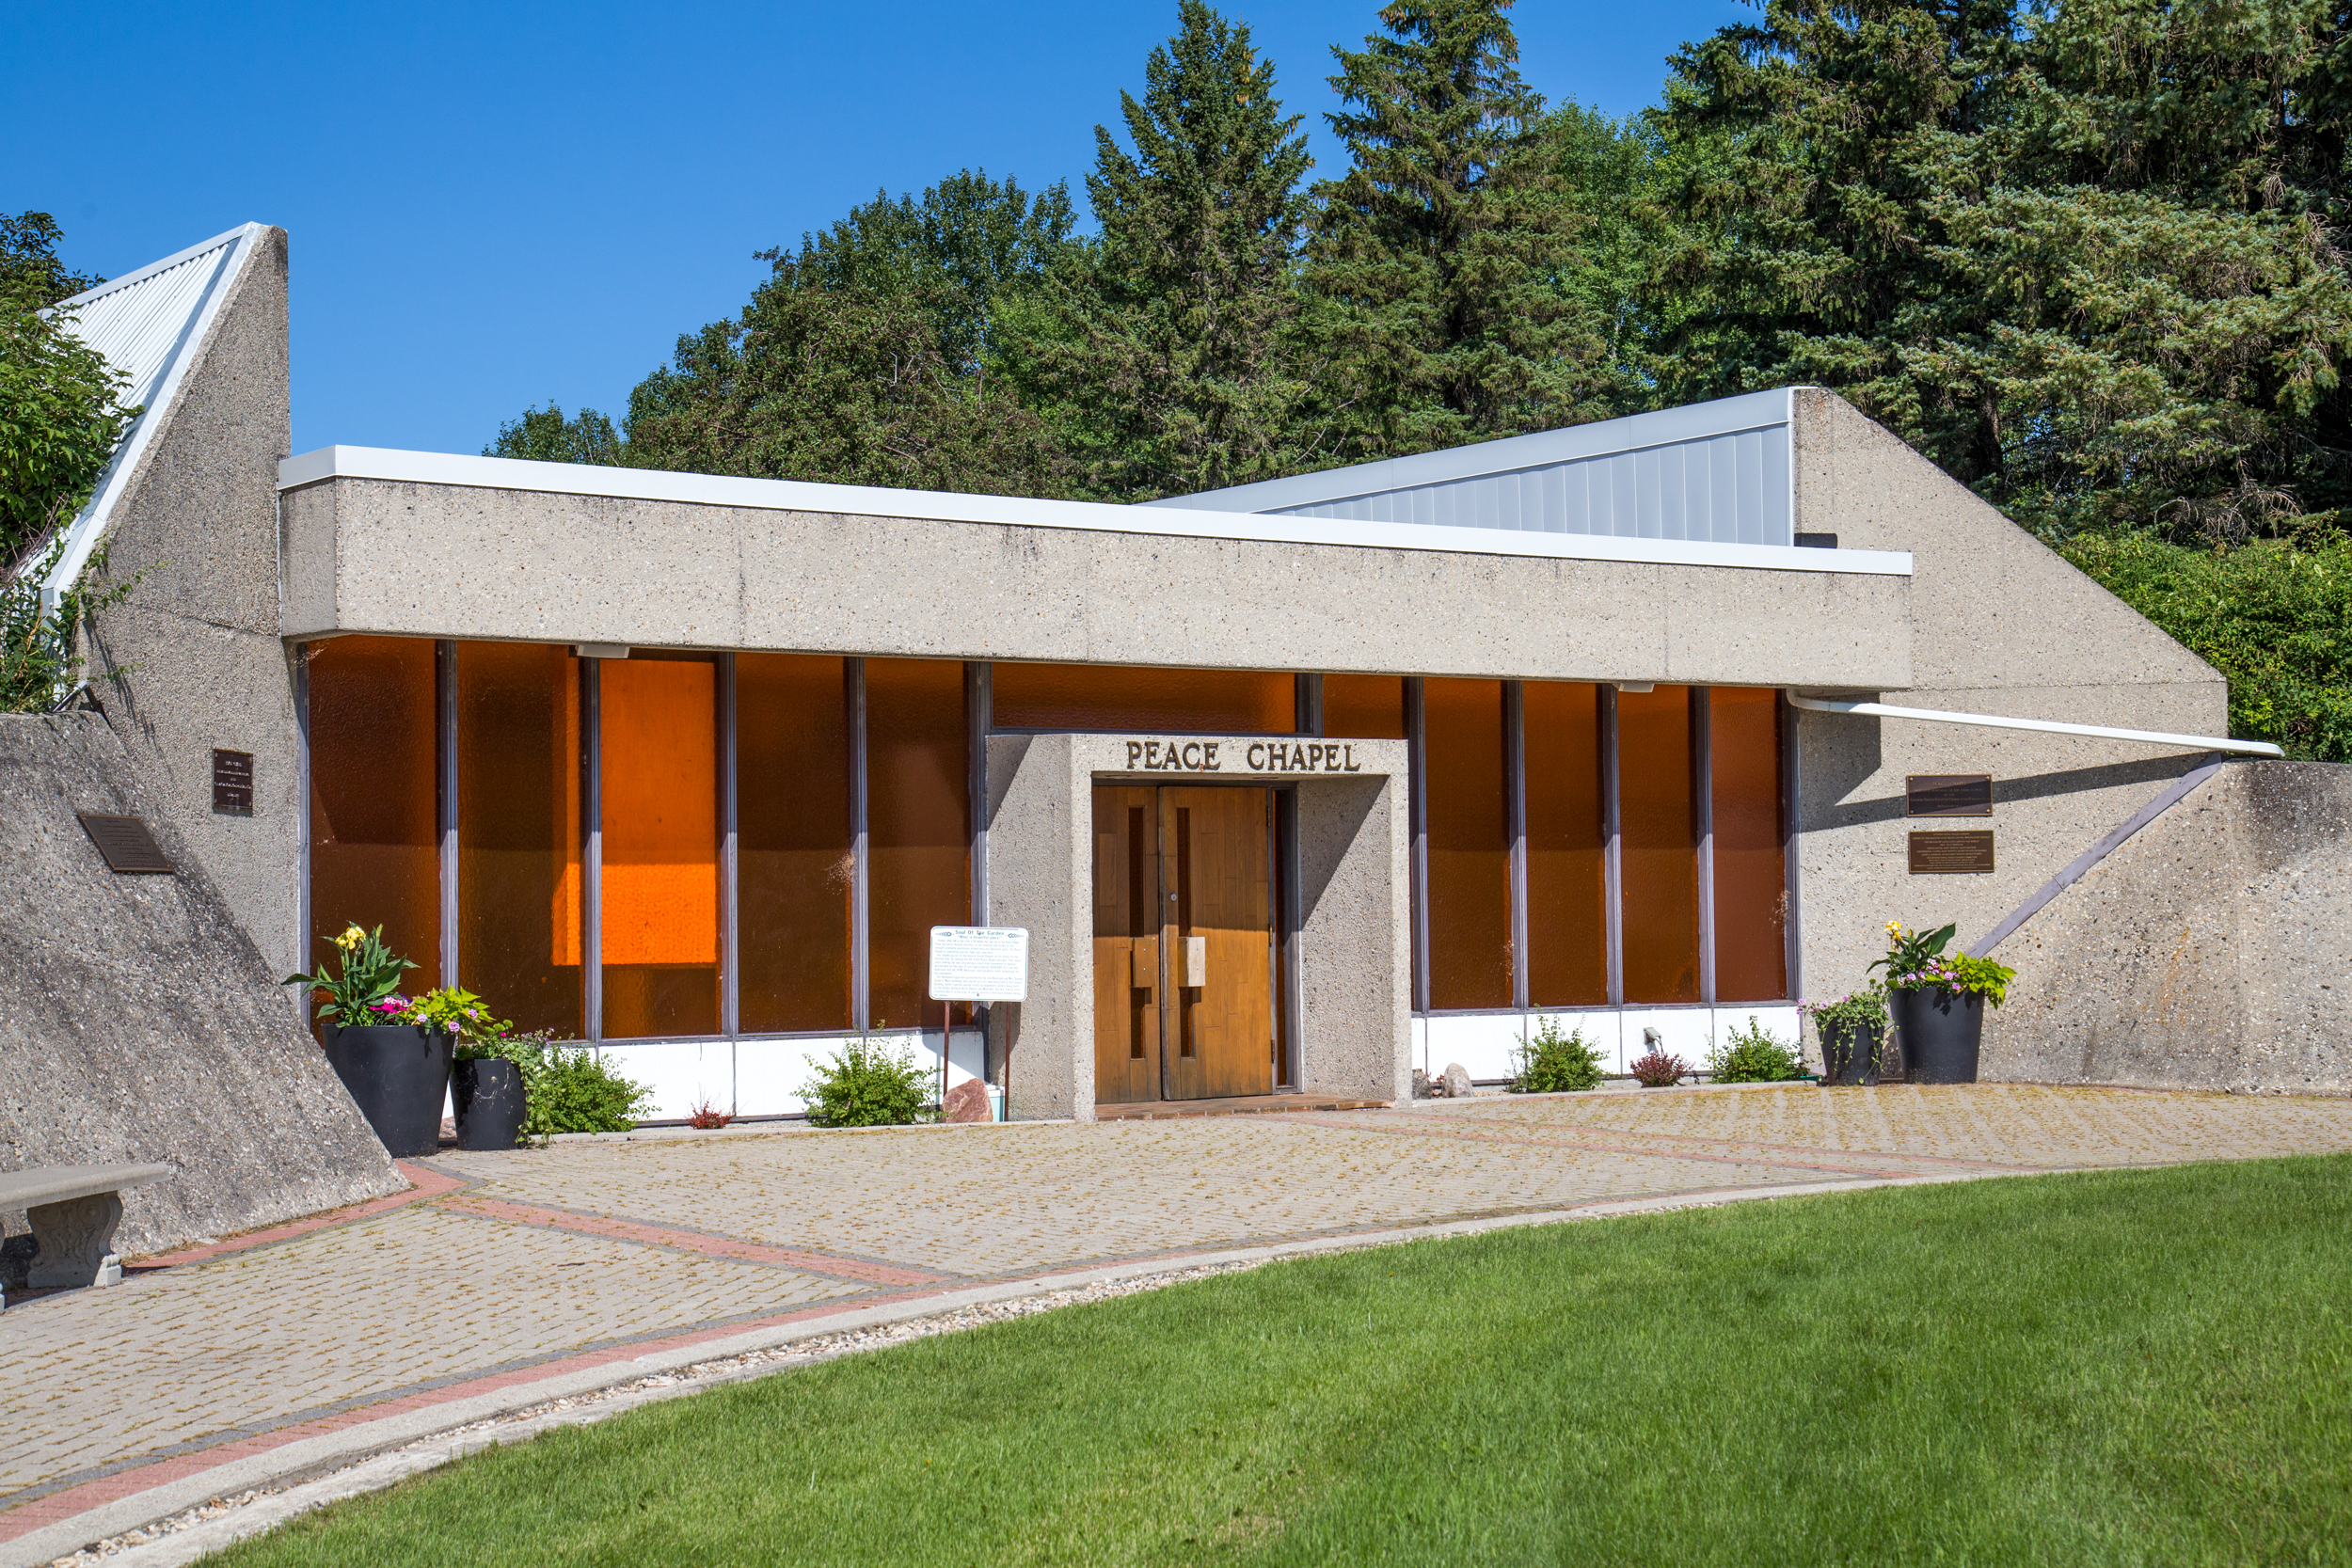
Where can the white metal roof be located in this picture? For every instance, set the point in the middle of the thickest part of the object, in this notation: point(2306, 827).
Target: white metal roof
point(148, 324)
point(1716, 471)
point(1166, 518)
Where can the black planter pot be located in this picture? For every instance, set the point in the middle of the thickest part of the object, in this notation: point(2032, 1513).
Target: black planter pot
point(1855, 1053)
point(397, 1074)
point(1941, 1031)
point(487, 1093)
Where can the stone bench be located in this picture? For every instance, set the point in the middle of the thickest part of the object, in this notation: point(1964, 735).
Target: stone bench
point(74, 1210)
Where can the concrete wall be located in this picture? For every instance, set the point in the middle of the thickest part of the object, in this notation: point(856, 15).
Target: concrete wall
point(139, 1021)
point(447, 560)
point(193, 660)
point(2001, 626)
point(2212, 950)
point(1356, 1036)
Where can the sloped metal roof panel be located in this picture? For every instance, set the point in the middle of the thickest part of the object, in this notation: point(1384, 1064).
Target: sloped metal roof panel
point(148, 324)
point(1714, 472)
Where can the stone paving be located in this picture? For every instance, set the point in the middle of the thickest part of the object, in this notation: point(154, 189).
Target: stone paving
point(500, 1265)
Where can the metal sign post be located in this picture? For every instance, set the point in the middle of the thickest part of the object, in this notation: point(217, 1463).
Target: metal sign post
point(976, 963)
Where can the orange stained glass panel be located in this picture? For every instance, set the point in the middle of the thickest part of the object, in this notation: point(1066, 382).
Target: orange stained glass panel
point(793, 867)
point(1469, 859)
point(1751, 904)
point(1567, 932)
point(519, 831)
point(1657, 806)
point(660, 925)
point(918, 829)
point(1124, 697)
point(1363, 707)
point(375, 810)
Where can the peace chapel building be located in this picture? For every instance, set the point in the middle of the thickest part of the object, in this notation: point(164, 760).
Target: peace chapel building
point(1295, 787)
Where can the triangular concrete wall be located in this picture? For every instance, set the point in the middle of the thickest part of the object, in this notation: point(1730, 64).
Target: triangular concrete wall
point(139, 1022)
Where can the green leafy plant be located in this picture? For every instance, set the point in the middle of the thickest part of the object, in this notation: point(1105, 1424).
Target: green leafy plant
point(1754, 1055)
point(369, 974)
point(577, 1091)
point(1911, 953)
point(868, 1085)
point(1555, 1062)
point(465, 1014)
point(1851, 1017)
point(1983, 976)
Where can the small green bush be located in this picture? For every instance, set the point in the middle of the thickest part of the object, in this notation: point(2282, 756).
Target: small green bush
point(868, 1085)
point(574, 1091)
point(1754, 1055)
point(1555, 1062)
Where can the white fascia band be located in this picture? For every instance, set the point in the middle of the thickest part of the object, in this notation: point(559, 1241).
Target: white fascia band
point(2048, 726)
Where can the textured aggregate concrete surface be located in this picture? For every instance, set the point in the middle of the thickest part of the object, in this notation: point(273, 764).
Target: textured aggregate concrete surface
point(2213, 949)
point(139, 1023)
point(500, 1269)
point(405, 558)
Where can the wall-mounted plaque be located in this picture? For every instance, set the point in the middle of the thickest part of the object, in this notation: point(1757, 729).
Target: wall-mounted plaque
point(125, 842)
point(233, 782)
point(1949, 795)
point(1936, 854)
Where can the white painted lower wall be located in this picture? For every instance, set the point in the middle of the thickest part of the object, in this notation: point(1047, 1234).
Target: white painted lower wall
point(1485, 1043)
point(762, 1077)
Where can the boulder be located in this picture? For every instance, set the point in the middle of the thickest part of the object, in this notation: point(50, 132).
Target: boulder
point(967, 1101)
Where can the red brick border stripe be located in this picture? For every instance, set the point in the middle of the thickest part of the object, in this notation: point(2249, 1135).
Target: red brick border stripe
point(696, 1241)
point(423, 1184)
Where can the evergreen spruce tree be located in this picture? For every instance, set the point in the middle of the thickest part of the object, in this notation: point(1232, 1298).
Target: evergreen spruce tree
point(2079, 255)
point(1436, 265)
point(1159, 348)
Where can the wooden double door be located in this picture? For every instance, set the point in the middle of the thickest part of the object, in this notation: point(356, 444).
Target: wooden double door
point(1186, 943)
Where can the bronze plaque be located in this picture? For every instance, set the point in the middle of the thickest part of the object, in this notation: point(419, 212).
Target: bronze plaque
point(1934, 854)
point(1949, 795)
point(233, 782)
point(125, 842)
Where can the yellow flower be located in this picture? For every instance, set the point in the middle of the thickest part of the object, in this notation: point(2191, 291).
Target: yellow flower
point(351, 939)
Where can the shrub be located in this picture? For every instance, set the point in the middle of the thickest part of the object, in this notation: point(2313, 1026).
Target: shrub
point(708, 1117)
point(1658, 1069)
point(868, 1085)
point(1754, 1055)
point(575, 1092)
point(1553, 1062)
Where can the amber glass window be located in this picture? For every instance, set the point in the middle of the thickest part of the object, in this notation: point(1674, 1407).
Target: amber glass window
point(1363, 707)
point(519, 831)
point(1121, 697)
point(659, 760)
point(1568, 931)
point(374, 811)
point(918, 829)
point(793, 867)
point(1657, 808)
point(1469, 856)
point(1751, 908)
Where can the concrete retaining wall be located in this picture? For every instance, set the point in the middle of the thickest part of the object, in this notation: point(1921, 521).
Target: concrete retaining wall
point(139, 1021)
point(2211, 950)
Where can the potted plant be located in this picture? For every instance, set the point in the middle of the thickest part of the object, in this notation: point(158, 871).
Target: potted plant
point(396, 1071)
point(1938, 1002)
point(1853, 1036)
point(488, 1086)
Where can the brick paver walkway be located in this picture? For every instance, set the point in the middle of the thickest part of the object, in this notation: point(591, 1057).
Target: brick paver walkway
point(501, 1266)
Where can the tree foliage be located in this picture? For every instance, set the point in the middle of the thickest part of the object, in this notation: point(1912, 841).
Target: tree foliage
point(2079, 255)
point(61, 409)
point(546, 436)
point(1161, 348)
point(1438, 268)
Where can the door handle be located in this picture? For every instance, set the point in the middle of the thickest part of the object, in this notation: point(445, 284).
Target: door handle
point(1195, 960)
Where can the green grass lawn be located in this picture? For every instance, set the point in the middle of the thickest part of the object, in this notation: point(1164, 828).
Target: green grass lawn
point(2119, 1368)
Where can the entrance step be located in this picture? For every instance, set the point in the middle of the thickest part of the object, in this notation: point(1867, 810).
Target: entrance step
point(1239, 1105)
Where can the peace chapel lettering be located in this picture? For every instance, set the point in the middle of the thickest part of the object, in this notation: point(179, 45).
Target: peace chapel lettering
point(1263, 756)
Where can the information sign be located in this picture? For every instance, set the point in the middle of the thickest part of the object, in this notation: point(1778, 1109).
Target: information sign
point(979, 963)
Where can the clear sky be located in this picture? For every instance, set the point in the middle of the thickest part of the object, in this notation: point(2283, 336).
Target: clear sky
point(495, 204)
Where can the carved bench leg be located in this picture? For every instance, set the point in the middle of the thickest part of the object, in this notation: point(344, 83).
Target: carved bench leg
point(76, 1240)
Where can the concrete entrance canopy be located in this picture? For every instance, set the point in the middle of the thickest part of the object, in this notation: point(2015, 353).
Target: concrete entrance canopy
point(417, 543)
point(1352, 982)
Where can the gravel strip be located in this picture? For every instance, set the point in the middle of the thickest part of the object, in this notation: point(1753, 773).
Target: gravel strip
point(220, 1521)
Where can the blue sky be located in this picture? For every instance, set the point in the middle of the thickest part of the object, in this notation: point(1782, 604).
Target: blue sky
point(492, 205)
